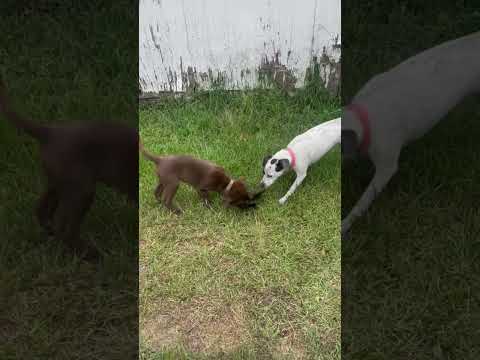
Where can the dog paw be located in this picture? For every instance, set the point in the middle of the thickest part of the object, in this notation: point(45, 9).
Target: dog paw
point(208, 205)
point(48, 233)
point(282, 201)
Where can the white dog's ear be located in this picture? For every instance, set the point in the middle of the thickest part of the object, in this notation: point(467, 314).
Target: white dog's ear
point(282, 164)
point(265, 160)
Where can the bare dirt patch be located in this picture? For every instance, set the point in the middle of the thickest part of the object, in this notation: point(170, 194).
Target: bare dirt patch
point(290, 346)
point(200, 325)
point(283, 309)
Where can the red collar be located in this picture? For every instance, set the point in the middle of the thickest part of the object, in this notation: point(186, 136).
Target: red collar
point(361, 113)
point(294, 158)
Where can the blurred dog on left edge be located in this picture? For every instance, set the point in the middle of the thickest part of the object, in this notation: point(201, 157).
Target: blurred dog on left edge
point(75, 158)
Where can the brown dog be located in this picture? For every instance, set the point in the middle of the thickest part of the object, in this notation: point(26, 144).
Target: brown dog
point(75, 159)
point(202, 175)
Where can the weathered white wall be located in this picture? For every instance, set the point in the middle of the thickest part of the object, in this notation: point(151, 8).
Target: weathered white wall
point(191, 44)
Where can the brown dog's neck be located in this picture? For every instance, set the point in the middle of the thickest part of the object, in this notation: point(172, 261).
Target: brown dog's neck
point(229, 186)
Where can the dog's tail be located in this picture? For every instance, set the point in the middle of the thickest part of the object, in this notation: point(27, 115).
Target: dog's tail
point(39, 132)
point(147, 154)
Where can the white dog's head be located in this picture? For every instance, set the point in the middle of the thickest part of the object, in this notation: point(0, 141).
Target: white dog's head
point(273, 168)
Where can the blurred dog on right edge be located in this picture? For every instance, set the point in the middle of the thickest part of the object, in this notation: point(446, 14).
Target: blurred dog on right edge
point(403, 104)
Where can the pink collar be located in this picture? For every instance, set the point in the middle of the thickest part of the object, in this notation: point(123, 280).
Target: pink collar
point(361, 113)
point(294, 158)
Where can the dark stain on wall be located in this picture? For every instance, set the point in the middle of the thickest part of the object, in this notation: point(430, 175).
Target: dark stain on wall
point(324, 72)
point(272, 72)
point(193, 80)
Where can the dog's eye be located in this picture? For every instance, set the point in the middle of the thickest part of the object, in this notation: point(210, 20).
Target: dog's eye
point(273, 161)
point(269, 176)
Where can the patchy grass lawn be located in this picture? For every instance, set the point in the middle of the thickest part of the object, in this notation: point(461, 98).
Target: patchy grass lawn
point(240, 284)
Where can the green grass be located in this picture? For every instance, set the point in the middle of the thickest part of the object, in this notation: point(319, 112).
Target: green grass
point(72, 63)
point(240, 284)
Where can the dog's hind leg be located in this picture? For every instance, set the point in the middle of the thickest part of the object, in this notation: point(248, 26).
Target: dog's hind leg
point(382, 176)
point(298, 180)
point(169, 192)
point(47, 205)
point(73, 205)
point(159, 191)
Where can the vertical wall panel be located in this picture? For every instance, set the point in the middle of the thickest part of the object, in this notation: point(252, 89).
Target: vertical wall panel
point(192, 44)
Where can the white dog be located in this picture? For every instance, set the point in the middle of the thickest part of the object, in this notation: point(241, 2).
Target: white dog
point(301, 152)
point(403, 104)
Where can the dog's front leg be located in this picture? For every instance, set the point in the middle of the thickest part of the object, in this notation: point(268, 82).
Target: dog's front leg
point(299, 179)
point(380, 179)
point(205, 198)
point(46, 208)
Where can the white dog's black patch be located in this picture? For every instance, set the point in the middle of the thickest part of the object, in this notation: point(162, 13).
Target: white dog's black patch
point(265, 160)
point(281, 164)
